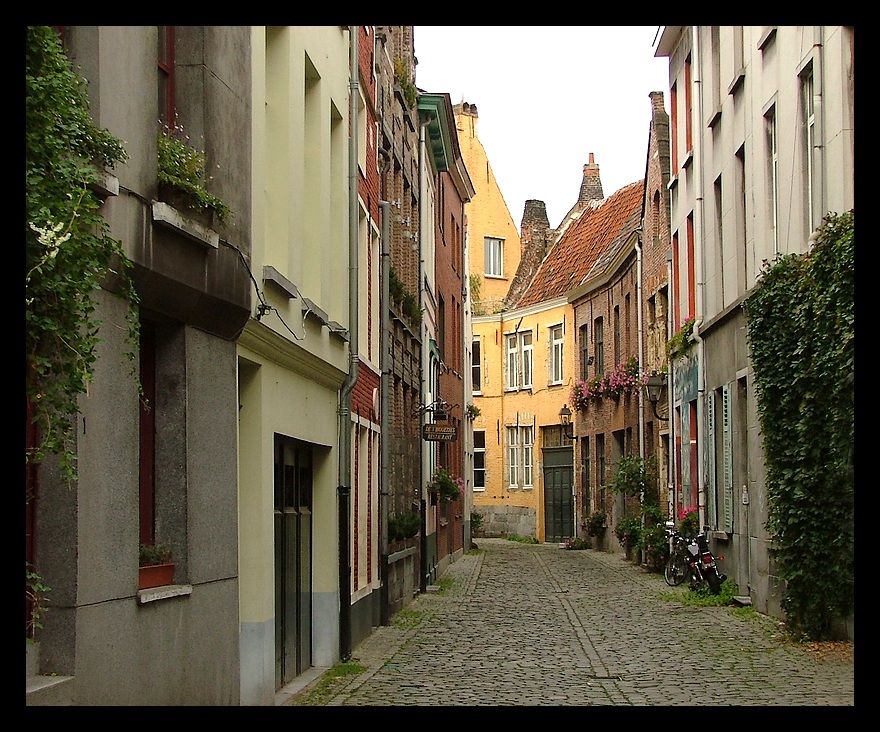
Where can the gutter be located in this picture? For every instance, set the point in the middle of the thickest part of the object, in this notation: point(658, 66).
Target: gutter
point(344, 489)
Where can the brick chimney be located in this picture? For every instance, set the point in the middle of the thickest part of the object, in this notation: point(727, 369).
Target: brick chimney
point(591, 186)
point(535, 239)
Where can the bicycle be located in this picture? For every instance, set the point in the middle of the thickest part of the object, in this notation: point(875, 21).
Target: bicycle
point(676, 570)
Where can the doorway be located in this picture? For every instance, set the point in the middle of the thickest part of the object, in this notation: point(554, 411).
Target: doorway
point(293, 558)
point(558, 494)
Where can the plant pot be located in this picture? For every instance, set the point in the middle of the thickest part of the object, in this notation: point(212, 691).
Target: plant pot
point(155, 575)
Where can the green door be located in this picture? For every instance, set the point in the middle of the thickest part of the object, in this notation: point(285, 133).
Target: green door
point(558, 494)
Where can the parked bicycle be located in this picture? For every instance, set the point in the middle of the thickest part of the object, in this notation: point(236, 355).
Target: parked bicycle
point(677, 566)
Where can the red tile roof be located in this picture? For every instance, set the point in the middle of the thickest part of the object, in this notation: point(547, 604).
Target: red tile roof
point(587, 245)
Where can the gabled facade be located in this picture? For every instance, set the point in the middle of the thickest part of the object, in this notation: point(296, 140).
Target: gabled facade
point(762, 147)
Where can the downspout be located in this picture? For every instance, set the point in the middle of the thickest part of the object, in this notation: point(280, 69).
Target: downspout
point(673, 457)
point(700, 294)
point(345, 436)
point(426, 366)
point(641, 349)
point(384, 419)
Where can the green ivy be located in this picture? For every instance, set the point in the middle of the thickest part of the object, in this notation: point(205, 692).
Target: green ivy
point(681, 342)
point(69, 253)
point(801, 319)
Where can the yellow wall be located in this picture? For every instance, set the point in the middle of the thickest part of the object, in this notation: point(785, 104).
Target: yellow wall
point(487, 215)
point(539, 405)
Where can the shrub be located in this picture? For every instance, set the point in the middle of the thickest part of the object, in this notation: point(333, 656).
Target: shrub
point(629, 531)
point(404, 525)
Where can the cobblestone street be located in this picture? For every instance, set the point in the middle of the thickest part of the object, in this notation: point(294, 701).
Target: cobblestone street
point(535, 625)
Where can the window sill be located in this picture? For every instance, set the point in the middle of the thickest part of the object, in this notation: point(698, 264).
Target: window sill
point(168, 216)
point(162, 593)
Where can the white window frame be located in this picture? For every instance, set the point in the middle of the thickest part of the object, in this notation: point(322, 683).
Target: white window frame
point(476, 366)
point(773, 172)
point(527, 440)
point(519, 357)
point(512, 352)
point(480, 450)
point(528, 361)
point(809, 116)
point(557, 345)
point(512, 457)
point(493, 256)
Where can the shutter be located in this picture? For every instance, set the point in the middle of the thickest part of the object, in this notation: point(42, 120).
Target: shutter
point(711, 452)
point(728, 460)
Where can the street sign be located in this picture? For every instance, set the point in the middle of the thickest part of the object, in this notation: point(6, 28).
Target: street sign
point(439, 432)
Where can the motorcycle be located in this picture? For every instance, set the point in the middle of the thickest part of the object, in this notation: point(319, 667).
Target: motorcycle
point(691, 559)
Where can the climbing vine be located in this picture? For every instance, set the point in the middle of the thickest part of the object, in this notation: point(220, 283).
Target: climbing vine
point(801, 332)
point(69, 253)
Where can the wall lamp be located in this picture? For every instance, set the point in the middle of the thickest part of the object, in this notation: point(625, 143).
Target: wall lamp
point(654, 386)
point(565, 418)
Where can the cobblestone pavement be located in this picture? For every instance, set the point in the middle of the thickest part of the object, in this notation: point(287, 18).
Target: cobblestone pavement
point(534, 625)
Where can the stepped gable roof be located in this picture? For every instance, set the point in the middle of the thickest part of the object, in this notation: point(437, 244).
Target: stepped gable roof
point(587, 245)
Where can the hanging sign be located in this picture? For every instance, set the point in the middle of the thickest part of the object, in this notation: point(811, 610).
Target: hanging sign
point(439, 432)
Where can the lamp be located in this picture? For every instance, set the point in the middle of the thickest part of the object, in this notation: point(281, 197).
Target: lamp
point(565, 418)
point(653, 386)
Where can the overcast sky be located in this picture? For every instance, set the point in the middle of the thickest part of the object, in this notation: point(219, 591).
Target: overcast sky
point(547, 97)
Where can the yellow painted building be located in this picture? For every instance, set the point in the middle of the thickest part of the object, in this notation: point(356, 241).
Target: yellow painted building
point(522, 372)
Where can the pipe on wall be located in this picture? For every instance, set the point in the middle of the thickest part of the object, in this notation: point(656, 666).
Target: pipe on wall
point(345, 431)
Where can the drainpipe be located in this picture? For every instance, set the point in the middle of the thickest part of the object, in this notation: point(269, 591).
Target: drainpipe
point(672, 458)
point(344, 490)
point(699, 265)
point(426, 366)
point(641, 348)
point(384, 419)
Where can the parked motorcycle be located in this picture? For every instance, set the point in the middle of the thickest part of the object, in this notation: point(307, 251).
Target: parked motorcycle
point(691, 559)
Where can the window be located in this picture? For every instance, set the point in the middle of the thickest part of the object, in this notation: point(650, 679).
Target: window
point(476, 368)
point(526, 344)
point(584, 342)
point(147, 434)
point(616, 325)
point(556, 345)
point(520, 456)
point(585, 474)
point(600, 468)
point(479, 460)
point(740, 221)
point(809, 122)
point(688, 108)
point(673, 107)
point(519, 360)
point(512, 457)
point(526, 440)
point(512, 361)
point(691, 268)
point(719, 240)
point(167, 111)
point(770, 143)
point(494, 253)
point(599, 346)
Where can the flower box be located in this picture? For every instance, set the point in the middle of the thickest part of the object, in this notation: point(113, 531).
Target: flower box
point(155, 575)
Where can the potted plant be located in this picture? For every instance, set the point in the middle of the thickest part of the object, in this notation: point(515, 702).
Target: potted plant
point(689, 522)
point(155, 566)
point(445, 485)
point(629, 532)
point(597, 523)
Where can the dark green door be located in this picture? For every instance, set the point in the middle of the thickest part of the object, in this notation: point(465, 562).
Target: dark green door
point(558, 494)
point(293, 559)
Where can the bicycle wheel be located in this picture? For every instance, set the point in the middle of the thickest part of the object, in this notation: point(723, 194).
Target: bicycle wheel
point(675, 570)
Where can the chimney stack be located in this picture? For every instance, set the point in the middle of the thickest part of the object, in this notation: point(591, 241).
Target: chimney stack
point(591, 186)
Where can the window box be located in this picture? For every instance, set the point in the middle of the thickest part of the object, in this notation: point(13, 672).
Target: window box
point(155, 575)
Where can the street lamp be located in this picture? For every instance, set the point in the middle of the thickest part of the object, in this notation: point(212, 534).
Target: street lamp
point(653, 386)
point(565, 418)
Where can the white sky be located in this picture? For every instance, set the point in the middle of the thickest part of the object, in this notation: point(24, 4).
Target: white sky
point(547, 97)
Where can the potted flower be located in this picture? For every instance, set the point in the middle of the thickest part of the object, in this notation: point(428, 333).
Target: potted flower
point(597, 523)
point(689, 522)
point(629, 532)
point(445, 485)
point(155, 566)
